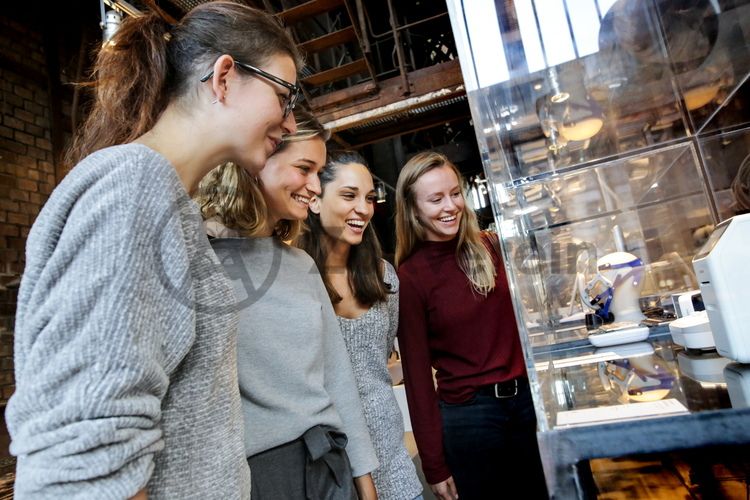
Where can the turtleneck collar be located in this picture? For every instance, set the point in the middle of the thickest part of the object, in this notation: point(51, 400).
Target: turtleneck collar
point(439, 246)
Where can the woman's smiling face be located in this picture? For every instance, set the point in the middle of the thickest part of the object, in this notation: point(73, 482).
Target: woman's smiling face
point(348, 203)
point(439, 203)
point(290, 179)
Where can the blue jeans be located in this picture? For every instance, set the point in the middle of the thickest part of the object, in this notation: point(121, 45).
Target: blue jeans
point(491, 448)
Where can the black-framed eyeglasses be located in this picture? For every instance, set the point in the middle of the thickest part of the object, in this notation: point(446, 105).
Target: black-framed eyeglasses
point(289, 102)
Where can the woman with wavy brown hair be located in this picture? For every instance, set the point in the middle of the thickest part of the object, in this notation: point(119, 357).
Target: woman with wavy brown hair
point(364, 291)
point(125, 341)
point(476, 432)
point(305, 436)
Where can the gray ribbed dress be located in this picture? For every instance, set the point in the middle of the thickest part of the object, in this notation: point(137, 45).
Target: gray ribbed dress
point(369, 340)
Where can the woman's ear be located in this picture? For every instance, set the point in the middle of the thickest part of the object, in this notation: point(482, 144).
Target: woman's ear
point(223, 66)
point(315, 205)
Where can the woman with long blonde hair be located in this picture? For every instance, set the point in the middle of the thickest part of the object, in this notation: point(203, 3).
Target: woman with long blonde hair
point(305, 434)
point(476, 432)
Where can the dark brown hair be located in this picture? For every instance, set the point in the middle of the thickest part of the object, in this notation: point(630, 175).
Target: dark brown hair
point(149, 64)
point(365, 263)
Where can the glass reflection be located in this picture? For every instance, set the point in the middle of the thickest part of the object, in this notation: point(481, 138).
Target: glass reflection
point(600, 114)
point(727, 157)
point(637, 379)
point(652, 72)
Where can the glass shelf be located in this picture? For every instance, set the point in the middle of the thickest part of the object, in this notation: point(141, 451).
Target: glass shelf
point(588, 378)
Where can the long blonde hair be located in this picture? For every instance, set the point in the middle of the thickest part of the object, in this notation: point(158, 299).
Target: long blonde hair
point(233, 197)
point(471, 253)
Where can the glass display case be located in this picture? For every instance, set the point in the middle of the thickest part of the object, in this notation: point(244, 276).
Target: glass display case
point(615, 134)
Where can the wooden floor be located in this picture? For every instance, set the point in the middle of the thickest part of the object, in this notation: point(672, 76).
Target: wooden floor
point(662, 479)
point(699, 475)
point(667, 477)
point(693, 475)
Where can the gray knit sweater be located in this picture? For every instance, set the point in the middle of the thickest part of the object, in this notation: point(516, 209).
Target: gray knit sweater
point(125, 343)
point(294, 371)
point(369, 340)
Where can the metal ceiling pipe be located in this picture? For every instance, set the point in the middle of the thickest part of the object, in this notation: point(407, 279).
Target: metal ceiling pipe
point(377, 36)
point(363, 27)
point(399, 50)
point(123, 6)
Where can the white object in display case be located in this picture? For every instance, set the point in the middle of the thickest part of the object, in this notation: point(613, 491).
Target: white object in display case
point(737, 377)
point(693, 331)
point(625, 271)
point(627, 411)
point(703, 367)
point(683, 303)
point(617, 333)
point(724, 275)
point(620, 278)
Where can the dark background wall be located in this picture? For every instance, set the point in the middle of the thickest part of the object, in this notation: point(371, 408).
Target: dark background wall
point(44, 48)
point(27, 173)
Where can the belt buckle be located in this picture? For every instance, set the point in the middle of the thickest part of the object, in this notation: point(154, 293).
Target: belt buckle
point(515, 390)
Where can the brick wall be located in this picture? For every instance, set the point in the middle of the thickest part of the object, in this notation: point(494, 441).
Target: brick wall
point(27, 174)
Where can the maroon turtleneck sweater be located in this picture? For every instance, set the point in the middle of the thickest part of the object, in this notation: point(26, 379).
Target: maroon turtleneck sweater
point(469, 339)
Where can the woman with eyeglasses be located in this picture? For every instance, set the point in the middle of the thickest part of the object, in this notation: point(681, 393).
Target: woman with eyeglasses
point(305, 435)
point(476, 432)
point(125, 340)
point(364, 291)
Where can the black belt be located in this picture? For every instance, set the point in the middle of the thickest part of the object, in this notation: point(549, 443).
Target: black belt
point(502, 390)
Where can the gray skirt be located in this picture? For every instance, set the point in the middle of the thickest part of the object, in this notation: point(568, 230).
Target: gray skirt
point(312, 467)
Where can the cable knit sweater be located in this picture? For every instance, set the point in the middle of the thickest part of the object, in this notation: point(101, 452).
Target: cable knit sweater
point(125, 343)
point(369, 340)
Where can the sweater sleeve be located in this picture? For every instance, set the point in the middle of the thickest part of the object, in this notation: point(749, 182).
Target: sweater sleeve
point(342, 388)
point(420, 388)
point(105, 290)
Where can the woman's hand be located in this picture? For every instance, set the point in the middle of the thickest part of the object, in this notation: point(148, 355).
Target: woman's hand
point(141, 495)
point(445, 490)
point(365, 487)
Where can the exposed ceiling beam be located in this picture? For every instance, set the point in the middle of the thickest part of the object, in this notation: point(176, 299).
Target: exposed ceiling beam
point(429, 85)
point(329, 40)
point(335, 74)
point(345, 96)
point(407, 125)
point(307, 10)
